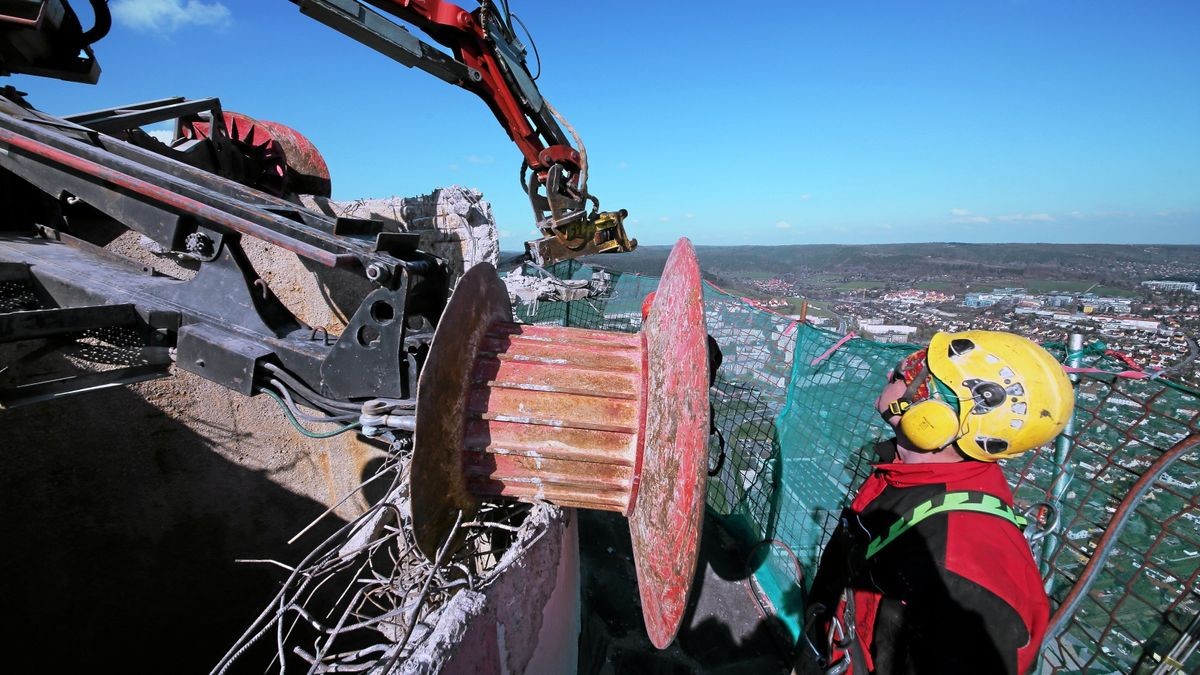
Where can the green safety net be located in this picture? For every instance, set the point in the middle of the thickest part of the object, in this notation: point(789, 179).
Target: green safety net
point(791, 430)
point(794, 405)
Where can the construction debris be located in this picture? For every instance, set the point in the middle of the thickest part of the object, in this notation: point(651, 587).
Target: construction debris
point(530, 284)
point(455, 223)
point(391, 610)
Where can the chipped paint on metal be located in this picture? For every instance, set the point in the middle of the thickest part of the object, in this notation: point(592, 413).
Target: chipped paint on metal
point(579, 418)
point(666, 521)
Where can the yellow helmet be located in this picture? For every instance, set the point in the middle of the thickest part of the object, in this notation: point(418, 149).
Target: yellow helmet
point(1013, 396)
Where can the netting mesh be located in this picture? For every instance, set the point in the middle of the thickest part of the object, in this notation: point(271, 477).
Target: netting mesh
point(794, 407)
point(1127, 488)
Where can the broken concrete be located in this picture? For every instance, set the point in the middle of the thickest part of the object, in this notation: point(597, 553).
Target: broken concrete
point(455, 223)
point(526, 620)
point(530, 284)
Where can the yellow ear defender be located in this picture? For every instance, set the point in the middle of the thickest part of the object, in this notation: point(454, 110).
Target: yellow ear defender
point(928, 425)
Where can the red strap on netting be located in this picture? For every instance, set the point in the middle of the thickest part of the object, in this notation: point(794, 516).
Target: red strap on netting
point(1123, 357)
point(1131, 374)
point(836, 346)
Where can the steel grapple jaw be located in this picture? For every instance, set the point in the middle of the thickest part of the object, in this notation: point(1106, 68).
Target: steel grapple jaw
point(590, 234)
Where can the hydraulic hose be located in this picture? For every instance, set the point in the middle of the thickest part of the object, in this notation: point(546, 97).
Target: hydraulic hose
point(103, 22)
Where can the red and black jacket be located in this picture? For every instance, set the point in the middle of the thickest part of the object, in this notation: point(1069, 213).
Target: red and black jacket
point(958, 592)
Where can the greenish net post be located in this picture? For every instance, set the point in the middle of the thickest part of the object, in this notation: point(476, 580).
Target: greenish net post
point(1063, 475)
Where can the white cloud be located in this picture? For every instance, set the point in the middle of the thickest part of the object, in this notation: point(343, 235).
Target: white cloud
point(805, 197)
point(1023, 218)
point(1076, 214)
point(622, 165)
point(885, 226)
point(168, 16)
point(452, 167)
point(783, 225)
point(505, 234)
point(965, 216)
point(634, 221)
point(664, 219)
point(1171, 213)
point(689, 216)
point(480, 159)
point(968, 216)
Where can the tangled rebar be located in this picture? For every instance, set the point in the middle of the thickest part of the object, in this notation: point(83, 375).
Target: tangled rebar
point(365, 599)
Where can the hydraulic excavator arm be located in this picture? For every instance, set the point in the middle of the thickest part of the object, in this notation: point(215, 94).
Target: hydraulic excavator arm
point(487, 59)
point(77, 182)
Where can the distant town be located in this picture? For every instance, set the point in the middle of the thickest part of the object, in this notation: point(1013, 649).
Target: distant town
point(1140, 300)
point(1152, 325)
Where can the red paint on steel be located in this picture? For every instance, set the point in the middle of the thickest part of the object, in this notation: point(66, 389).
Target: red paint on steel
point(287, 161)
point(254, 141)
point(641, 451)
point(580, 395)
point(173, 200)
point(665, 524)
point(561, 154)
point(307, 172)
point(579, 418)
point(454, 27)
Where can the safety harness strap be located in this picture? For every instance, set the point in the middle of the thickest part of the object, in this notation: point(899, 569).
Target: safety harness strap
point(964, 500)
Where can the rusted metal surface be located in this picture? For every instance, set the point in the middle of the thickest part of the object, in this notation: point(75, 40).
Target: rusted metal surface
point(579, 418)
point(307, 172)
point(665, 524)
point(173, 200)
point(436, 476)
point(256, 142)
point(555, 414)
point(287, 161)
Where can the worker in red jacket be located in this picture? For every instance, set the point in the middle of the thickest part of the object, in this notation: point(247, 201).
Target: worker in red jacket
point(928, 570)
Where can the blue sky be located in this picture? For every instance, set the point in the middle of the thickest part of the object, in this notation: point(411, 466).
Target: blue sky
point(740, 123)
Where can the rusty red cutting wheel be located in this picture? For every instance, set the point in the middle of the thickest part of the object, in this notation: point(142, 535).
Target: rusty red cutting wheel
point(579, 418)
point(281, 160)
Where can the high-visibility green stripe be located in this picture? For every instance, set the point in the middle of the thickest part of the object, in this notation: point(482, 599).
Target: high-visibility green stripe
point(978, 502)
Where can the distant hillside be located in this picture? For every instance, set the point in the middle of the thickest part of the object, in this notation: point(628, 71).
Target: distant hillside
point(1108, 263)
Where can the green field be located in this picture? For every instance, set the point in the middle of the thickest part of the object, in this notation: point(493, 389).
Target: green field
point(1032, 285)
point(814, 310)
point(943, 286)
point(859, 285)
point(1053, 286)
point(757, 274)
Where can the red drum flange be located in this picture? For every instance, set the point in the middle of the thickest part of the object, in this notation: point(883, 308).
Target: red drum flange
point(578, 418)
